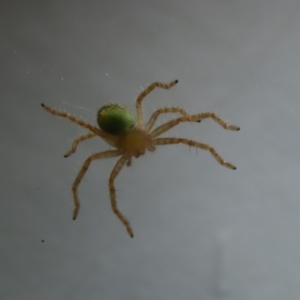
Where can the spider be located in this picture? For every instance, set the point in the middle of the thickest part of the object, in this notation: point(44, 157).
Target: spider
point(131, 137)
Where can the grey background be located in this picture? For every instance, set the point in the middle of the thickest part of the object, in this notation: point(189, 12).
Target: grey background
point(201, 231)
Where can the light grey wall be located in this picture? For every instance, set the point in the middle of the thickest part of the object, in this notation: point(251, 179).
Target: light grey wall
point(201, 231)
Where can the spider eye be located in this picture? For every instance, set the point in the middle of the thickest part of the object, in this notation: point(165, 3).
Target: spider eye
point(115, 119)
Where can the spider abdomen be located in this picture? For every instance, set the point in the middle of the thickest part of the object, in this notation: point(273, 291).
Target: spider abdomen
point(115, 119)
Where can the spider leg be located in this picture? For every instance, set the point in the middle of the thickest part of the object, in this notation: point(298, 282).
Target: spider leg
point(129, 161)
point(117, 168)
point(77, 141)
point(192, 118)
point(143, 94)
point(214, 153)
point(216, 118)
point(104, 154)
point(70, 117)
point(164, 110)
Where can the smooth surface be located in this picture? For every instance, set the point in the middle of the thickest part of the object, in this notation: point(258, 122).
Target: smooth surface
point(201, 231)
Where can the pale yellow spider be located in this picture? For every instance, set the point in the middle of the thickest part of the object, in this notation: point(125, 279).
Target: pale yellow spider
point(131, 137)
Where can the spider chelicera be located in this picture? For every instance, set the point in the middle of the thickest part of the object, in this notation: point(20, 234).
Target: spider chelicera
point(130, 137)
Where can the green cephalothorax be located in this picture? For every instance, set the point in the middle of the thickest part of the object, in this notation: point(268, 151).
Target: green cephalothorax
point(115, 119)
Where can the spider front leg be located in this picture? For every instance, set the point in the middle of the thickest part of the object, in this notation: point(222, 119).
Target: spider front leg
point(216, 118)
point(164, 110)
point(77, 141)
point(214, 153)
point(112, 192)
point(143, 94)
point(105, 154)
point(192, 118)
